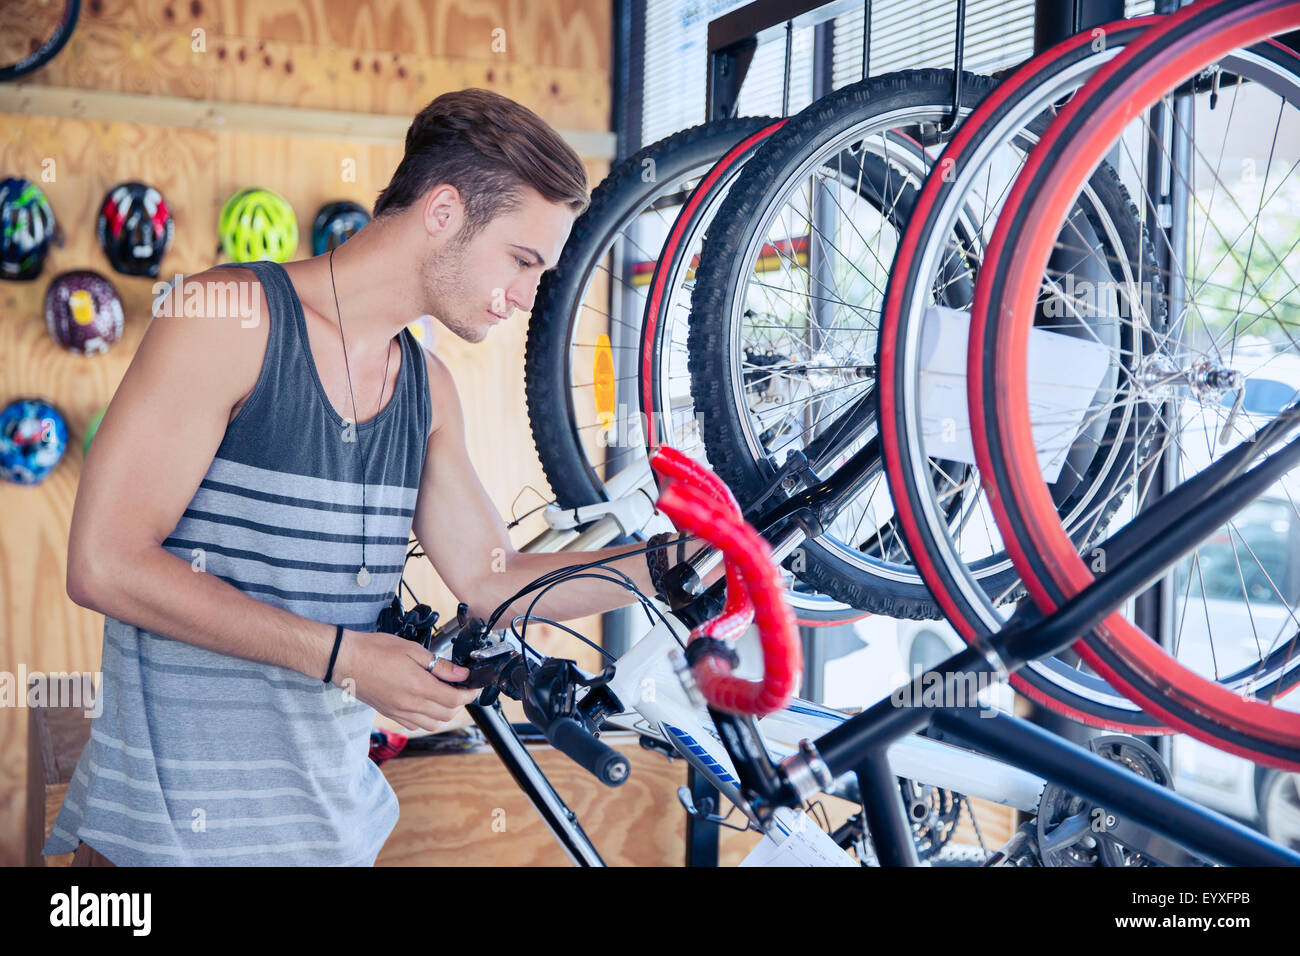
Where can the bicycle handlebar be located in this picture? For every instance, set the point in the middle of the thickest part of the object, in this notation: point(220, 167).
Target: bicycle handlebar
point(601, 760)
point(698, 501)
point(547, 690)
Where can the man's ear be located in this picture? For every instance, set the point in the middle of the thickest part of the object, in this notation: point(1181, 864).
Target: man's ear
point(443, 211)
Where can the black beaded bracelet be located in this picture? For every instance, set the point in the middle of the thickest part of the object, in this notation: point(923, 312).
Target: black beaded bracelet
point(657, 559)
point(338, 639)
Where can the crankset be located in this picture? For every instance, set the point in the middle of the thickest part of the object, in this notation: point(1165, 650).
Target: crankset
point(1073, 831)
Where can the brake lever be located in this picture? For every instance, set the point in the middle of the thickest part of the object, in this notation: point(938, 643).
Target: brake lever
point(416, 625)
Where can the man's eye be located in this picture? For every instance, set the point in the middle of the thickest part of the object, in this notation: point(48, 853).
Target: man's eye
point(522, 263)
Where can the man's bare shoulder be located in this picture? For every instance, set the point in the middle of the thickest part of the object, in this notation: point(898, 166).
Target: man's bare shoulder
point(227, 292)
point(221, 313)
point(443, 397)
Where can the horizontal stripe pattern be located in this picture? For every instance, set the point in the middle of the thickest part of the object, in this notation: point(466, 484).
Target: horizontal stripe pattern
point(200, 758)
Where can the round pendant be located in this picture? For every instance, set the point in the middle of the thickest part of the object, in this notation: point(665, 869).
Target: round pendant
point(363, 577)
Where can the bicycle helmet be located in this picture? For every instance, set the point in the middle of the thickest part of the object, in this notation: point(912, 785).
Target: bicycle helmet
point(26, 228)
point(83, 312)
point(135, 228)
point(258, 224)
point(91, 428)
point(335, 223)
point(33, 437)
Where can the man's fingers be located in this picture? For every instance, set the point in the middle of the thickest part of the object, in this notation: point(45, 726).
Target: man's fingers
point(431, 713)
point(469, 696)
point(447, 671)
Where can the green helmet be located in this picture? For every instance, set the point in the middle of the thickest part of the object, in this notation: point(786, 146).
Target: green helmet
point(258, 224)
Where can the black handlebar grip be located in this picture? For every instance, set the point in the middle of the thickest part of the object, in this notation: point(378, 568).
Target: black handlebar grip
point(604, 762)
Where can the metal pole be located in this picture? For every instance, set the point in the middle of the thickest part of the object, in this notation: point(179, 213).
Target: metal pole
point(701, 835)
point(866, 38)
point(882, 809)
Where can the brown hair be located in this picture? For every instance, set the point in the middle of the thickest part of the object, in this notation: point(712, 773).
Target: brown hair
point(487, 146)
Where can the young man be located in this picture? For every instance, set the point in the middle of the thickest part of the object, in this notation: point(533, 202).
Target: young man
point(245, 512)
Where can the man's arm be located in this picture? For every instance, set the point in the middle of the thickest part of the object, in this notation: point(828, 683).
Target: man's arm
point(153, 448)
point(462, 532)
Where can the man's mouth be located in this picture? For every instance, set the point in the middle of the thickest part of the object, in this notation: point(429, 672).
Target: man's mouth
point(499, 318)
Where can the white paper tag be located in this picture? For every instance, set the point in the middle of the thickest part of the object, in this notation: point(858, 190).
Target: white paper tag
point(1064, 375)
point(803, 844)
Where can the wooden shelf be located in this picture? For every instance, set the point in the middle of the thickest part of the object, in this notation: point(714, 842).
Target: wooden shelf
point(176, 111)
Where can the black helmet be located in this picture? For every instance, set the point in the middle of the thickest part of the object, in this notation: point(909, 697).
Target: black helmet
point(135, 228)
point(336, 223)
point(26, 228)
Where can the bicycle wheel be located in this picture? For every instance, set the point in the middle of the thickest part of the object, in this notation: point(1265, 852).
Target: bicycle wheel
point(964, 562)
point(662, 198)
point(33, 33)
point(667, 405)
point(597, 289)
point(1223, 368)
point(785, 314)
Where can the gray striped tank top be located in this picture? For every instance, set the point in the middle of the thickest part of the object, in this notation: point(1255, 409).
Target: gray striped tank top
point(199, 758)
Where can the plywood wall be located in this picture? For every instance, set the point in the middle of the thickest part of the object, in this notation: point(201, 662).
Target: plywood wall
point(384, 56)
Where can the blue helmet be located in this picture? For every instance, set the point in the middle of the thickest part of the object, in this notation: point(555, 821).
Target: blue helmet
point(335, 223)
point(33, 437)
point(26, 228)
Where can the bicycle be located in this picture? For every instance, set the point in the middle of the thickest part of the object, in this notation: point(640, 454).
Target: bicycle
point(643, 692)
point(820, 499)
point(1236, 706)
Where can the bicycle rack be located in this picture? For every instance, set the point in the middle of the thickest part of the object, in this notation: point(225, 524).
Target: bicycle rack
point(732, 42)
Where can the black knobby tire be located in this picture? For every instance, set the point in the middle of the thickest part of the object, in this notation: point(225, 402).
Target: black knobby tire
point(720, 274)
point(547, 370)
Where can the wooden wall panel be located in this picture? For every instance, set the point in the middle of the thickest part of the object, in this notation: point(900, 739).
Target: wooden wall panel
point(345, 56)
point(568, 33)
point(322, 55)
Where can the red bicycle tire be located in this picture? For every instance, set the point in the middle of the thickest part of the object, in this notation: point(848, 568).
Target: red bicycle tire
point(1188, 41)
point(961, 617)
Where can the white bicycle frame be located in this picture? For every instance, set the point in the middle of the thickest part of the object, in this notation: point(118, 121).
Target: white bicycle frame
point(648, 679)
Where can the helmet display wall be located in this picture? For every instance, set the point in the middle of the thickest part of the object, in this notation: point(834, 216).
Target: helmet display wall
point(309, 102)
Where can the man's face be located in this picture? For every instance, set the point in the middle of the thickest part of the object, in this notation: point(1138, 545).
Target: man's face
point(474, 285)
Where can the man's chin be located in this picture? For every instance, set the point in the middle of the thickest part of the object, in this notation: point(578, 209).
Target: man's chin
point(468, 333)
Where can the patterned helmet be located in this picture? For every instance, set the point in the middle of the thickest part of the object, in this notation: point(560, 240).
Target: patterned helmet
point(336, 223)
point(135, 228)
point(33, 437)
point(258, 224)
point(83, 312)
point(26, 228)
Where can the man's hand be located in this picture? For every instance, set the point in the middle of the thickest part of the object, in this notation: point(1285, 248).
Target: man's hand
point(388, 673)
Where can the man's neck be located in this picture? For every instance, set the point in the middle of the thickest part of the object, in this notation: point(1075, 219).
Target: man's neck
point(377, 285)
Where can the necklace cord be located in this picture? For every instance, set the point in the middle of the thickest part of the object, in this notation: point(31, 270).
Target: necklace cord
point(382, 382)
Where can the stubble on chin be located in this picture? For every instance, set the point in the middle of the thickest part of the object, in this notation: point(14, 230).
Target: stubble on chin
point(466, 333)
point(444, 276)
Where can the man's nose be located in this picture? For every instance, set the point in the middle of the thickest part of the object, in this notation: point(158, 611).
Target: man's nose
point(522, 297)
